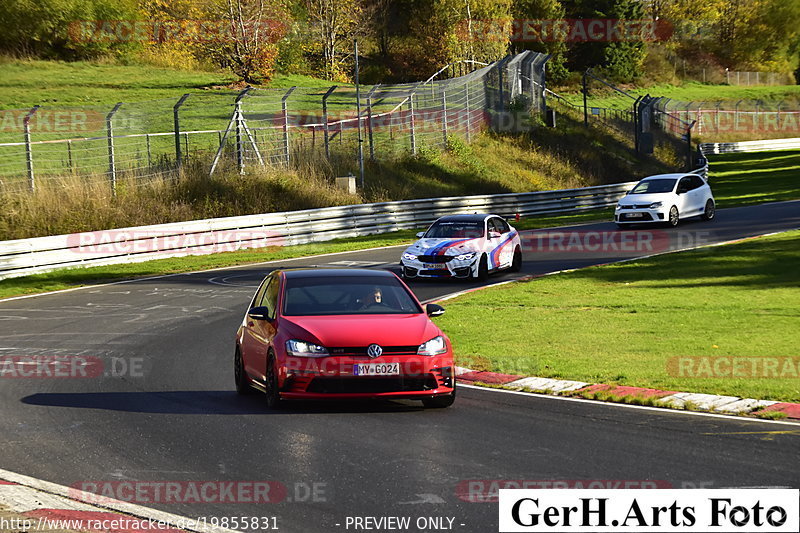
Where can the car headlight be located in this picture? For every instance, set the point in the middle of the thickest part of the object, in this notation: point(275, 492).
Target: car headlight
point(435, 346)
point(409, 257)
point(656, 205)
point(305, 349)
point(619, 206)
point(467, 256)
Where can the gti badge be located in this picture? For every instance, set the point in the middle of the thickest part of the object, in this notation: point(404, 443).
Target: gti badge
point(373, 350)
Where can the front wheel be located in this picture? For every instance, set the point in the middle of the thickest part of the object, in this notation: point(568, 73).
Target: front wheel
point(673, 216)
point(440, 402)
point(483, 269)
point(516, 262)
point(273, 395)
point(709, 211)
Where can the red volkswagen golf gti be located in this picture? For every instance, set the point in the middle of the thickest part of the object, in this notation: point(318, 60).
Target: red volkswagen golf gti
point(342, 333)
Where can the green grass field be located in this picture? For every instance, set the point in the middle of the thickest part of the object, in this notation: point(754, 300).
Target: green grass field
point(26, 83)
point(600, 96)
point(750, 178)
point(621, 324)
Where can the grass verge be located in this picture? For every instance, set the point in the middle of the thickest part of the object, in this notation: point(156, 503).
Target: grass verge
point(753, 178)
point(623, 324)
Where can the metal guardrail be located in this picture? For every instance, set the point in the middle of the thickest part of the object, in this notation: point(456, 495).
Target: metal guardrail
point(43, 254)
point(750, 146)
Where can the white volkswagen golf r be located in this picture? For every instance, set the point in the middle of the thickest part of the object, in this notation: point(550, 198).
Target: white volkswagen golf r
point(666, 198)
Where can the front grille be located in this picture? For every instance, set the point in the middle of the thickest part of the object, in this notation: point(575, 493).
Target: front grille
point(359, 351)
point(636, 206)
point(434, 258)
point(343, 385)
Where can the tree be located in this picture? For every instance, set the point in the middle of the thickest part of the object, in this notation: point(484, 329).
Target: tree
point(334, 24)
point(248, 47)
point(620, 59)
point(533, 11)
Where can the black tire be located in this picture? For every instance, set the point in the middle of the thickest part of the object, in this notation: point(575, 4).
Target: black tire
point(483, 269)
point(709, 211)
point(674, 217)
point(440, 402)
point(516, 262)
point(622, 226)
point(273, 395)
point(242, 385)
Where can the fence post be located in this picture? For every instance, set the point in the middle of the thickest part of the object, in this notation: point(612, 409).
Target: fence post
point(369, 122)
point(147, 142)
point(284, 110)
point(237, 113)
point(177, 123)
point(69, 155)
point(585, 107)
point(112, 167)
point(444, 117)
point(689, 146)
point(28, 150)
point(413, 128)
point(325, 117)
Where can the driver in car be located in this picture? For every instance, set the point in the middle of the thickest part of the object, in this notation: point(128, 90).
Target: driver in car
point(373, 298)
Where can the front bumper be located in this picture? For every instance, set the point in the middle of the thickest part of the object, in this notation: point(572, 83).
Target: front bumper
point(334, 377)
point(640, 216)
point(451, 268)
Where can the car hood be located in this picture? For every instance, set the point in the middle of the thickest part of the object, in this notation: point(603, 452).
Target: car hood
point(362, 330)
point(644, 198)
point(444, 246)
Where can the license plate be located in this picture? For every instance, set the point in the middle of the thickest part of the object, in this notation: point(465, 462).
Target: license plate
point(434, 266)
point(633, 215)
point(377, 369)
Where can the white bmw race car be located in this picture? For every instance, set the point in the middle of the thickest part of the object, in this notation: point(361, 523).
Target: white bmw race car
point(463, 246)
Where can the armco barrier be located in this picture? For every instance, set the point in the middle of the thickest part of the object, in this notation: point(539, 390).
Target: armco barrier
point(750, 146)
point(126, 245)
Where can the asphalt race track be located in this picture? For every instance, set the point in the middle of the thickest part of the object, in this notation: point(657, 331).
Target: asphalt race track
point(164, 409)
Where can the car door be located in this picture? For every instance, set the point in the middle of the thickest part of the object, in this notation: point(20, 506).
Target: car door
point(505, 255)
point(494, 238)
point(258, 334)
point(699, 193)
point(249, 344)
point(684, 201)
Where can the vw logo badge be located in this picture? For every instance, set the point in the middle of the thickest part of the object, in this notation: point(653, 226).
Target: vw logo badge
point(373, 350)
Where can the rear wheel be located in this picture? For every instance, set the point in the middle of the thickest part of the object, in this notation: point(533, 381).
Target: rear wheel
point(516, 262)
point(709, 211)
point(242, 385)
point(273, 395)
point(440, 402)
point(673, 216)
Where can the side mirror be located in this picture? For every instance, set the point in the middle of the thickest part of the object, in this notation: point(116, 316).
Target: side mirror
point(494, 235)
point(420, 234)
point(259, 313)
point(434, 310)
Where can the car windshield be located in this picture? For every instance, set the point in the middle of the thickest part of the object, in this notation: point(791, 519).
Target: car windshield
point(315, 296)
point(450, 229)
point(654, 186)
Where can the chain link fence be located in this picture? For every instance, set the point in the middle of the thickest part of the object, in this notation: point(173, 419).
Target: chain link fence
point(721, 118)
point(266, 127)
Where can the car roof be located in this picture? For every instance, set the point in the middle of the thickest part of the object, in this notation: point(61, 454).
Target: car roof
point(465, 217)
point(665, 176)
point(294, 273)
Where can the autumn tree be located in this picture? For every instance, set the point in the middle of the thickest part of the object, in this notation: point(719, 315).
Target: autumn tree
point(247, 41)
point(333, 25)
